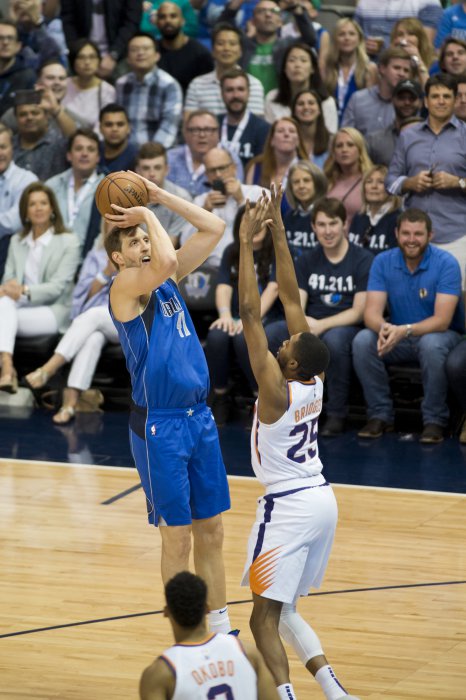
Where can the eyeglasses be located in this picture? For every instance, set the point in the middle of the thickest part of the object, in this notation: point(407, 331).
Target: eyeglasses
point(218, 169)
point(8, 39)
point(197, 130)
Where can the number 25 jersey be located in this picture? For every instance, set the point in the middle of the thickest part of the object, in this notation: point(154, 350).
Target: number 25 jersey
point(287, 449)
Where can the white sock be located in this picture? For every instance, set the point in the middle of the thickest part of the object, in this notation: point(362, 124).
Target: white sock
point(219, 621)
point(329, 683)
point(286, 692)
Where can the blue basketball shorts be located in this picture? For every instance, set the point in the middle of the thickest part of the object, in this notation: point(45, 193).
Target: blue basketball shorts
point(179, 461)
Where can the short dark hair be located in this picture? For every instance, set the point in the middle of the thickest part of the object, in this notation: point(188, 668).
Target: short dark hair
point(9, 23)
point(151, 149)
point(143, 35)
point(312, 356)
point(112, 108)
point(444, 80)
point(331, 206)
point(234, 73)
point(226, 27)
point(88, 133)
point(460, 79)
point(392, 53)
point(50, 62)
point(186, 596)
point(449, 40)
point(77, 46)
point(113, 240)
point(415, 215)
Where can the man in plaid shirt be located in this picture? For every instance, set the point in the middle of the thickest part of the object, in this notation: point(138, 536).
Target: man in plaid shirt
point(151, 97)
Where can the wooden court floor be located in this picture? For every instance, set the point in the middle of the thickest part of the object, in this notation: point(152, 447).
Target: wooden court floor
point(80, 592)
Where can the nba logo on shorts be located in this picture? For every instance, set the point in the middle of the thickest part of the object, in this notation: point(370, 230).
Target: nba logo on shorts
point(153, 430)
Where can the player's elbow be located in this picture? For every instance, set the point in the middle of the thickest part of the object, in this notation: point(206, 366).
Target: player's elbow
point(218, 227)
point(171, 263)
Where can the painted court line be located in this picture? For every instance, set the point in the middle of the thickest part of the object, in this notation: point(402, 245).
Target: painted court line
point(232, 602)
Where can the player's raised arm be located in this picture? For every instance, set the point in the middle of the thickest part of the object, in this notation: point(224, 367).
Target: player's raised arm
point(263, 364)
point(210, 228)
point(288, 290)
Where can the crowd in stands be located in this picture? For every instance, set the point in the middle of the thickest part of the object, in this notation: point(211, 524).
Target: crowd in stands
point(213, 100)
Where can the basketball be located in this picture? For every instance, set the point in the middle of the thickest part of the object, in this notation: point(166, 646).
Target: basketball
point(123, 188)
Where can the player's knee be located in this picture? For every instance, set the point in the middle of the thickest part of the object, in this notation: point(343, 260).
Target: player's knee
point(265, 617)
point(208, 533)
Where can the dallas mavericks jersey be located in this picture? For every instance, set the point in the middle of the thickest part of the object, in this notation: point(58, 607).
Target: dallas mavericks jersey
point(217, 669)
point(163, 354)
point(287, 449)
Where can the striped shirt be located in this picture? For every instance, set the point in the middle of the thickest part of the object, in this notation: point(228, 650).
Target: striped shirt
point(204, 93)
point(154, 106)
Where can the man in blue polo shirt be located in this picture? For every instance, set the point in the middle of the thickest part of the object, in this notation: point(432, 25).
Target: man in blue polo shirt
point(421, 284)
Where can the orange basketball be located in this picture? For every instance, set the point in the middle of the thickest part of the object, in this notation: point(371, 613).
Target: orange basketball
point(122, 188)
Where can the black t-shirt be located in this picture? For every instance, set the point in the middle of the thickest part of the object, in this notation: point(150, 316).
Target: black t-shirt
point(299, 232)
point(331, 286)
point(374, 238)
point(226, 273)
point(252, 139)
point(187, 63)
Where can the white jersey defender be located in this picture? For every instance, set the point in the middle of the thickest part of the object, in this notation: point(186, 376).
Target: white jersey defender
point(215, 669)
point(290, 541)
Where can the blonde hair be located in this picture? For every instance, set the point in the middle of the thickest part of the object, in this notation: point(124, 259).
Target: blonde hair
point(332, 169)
point(267, 158)
point(393, 199)
point(333, 57)
point(415, 26)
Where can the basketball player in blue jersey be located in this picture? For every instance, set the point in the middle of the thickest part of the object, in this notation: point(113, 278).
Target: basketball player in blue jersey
point(200, 665)
point(291, 539)
point(173, 436)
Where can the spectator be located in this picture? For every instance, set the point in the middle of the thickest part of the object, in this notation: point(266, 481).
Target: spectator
point(14, 72)
point(225, 196)
point(422, 287)
point(242, 132)
point(152, 98)
point(377, 20)
point(83, 342)
point(347, 67)
point(35, 296)
point(345, 168)
point(456, 372)
point(371, 109)
point(407, 102)
point(181, 57)
point(75, 187)
point(86, 93)
point(201, 133)
point(429, 166)
point(299, 71)
point(110, 24)
point(37, 44)
point(282, 148)
point(306, 110)
point(210, 12)
point(410, 35)
point(460, 102)
point(374, 226)
point(225, 335)
point(453, 24)
point(152, 10)
point(452, 58)
point(13, 180)
point(306, 185)
point(116, 152)
point(263, 54)
point(36, 147)
point(205, 92)
point(151, 163)
point(332, 280)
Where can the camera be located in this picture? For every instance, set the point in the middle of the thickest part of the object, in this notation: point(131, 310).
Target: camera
point(218, 185)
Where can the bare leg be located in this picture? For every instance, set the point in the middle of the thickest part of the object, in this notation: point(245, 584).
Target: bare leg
point(264, 623)
point(176, 546)
point(39, 377)
point(68, 407)
point(208, 558)
point(7, 364)
point(317, 662)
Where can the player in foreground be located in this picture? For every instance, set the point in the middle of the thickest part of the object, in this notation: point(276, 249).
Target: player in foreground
point(200, 665)
point(173, 436)
point(295, 523)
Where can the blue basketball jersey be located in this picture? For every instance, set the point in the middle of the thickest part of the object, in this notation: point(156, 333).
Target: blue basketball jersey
point(164, 357)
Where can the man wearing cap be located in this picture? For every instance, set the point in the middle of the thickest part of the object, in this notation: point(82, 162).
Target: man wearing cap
point(407, 102)
point(429, 166)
